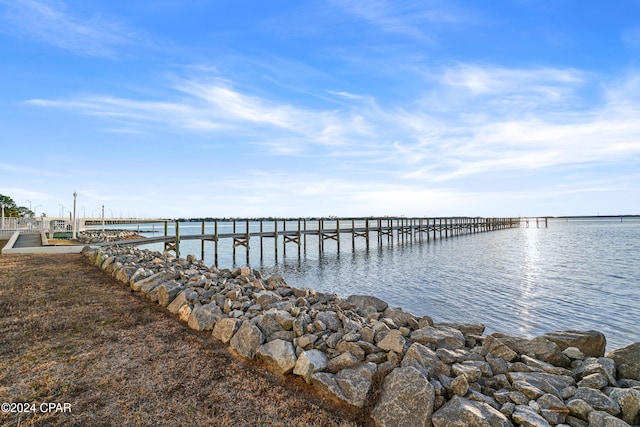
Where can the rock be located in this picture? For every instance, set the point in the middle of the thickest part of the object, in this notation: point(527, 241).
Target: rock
point(407, 399)
point(440, 337)
point(466, 328)
point(309, 362)
point(364, 301)
point(149, 282)
point(471, 373)
point(538, 348)
point(528, 417)
point(342, 361)
point(178, 302)
point(573, 353)
point(203, 317)
point(530, 391)
point(494, 347)
point(549, 383)
point(461, 412)
point(603, 419)
point(459, 386)
point(597, 400)
point(247, 340)
point(167, 291)
point(579, 408)
point(423, 359)
point(279, 355)
point(629, 401)
point(601, 365)
point(394, 341)
point(330, 319)
point(184, 312)
point(627, 361)
point(552, 409)
point(590, 343)
point(400, 318)
point(225, 328)
point(350, 385)
point(596, 381)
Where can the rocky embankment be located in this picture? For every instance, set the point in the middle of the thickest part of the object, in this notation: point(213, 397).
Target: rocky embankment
point(408, 370)
point(99, 236)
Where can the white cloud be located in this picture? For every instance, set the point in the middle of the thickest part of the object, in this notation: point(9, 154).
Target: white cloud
point(49, 21)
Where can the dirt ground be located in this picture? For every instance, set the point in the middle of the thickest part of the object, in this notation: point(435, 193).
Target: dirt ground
point(72, 335)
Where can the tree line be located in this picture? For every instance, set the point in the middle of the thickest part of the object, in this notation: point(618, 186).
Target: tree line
point(11, 209)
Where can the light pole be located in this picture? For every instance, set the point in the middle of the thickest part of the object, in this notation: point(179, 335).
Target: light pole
point(2, 206)
point(102, 219)
point(29, 203)
point(74, 226)
point(61, 211)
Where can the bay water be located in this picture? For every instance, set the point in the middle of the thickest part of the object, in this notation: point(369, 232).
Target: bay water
point(579, 274)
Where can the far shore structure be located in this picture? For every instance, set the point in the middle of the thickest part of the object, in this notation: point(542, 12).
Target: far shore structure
point(418, 372)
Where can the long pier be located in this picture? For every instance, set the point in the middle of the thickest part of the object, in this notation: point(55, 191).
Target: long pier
point(373, 230)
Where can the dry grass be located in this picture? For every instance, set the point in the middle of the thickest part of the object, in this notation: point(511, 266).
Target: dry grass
point(71, 334)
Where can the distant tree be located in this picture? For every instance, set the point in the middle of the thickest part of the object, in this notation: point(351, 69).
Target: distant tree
point(12, 210)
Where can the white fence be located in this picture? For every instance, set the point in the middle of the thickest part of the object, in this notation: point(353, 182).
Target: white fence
point(33, 225)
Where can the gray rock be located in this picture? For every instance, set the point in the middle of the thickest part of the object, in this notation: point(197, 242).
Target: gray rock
point(461, 412)
point(597, 400)
point(400, 318)
point(576, 422)
point(178, 302)
point(532, 392)
point(407, 399)
point(167, 291)
point(471, 373)
point(309, 362)
point(573, 353)
point(629, 401)
point(350, 385)
point(552, 409)
point(225, 328)
point(204, 317)
point(466, 328)
point(342, 361)
point(546, 382)
point(423, 359)
point(603, 419)
point(602, 365)
point(364, 301)
point(394, 341)
point(459, 386)
point(453, 356)
point(528, 417)
point(148, 283)
point(579, 408)
point(279, 355)
point(590, 343)
point(441, 337)
point(539, 348)
point(246, 340)
point(494, 347)
point(330, 319)
point(627, 361)
point(596, 381)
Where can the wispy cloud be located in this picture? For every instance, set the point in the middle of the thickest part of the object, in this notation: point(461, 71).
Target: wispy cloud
point(51, 22)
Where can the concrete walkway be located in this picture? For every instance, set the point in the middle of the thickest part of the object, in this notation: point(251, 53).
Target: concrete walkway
point(28, 241)
point(32, 244)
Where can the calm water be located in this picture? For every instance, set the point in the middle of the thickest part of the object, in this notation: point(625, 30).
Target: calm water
point(576, 274)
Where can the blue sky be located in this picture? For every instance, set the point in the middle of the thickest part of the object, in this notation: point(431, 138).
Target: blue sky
point(173, 108)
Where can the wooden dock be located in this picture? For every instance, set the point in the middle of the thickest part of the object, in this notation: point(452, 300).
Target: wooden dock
point(378, 231)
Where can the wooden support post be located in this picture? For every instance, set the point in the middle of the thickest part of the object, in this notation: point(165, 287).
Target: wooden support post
point(177, 246)
point(215, 242)
point(275, 239)
point(247, 240)
point(234, 242)
point(305, 235)
point(320, 236)
point(202, 243)
point(353, 235)
point(284, 240)
point(261, 246)
point(338, 233)
point(299, 235)
point(366, 227)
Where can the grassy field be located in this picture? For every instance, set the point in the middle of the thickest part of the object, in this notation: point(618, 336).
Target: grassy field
point(73, 335)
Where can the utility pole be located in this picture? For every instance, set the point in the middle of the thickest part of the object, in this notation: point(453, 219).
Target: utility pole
point(74, 229)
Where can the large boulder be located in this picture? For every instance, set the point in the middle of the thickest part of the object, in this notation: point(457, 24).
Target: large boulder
point(423, 359)
point(247, 340)
point(629, 401)
point(461, 412)
point(406, 399)
point(350, 385)
point(309, 362)
point(591, 343)
point(627, 361)
point(539, 348)
point(167, 291)
point(203, 317)
point(225, 328)
point(440, 337)
point(364, 301)
point(279, 355)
